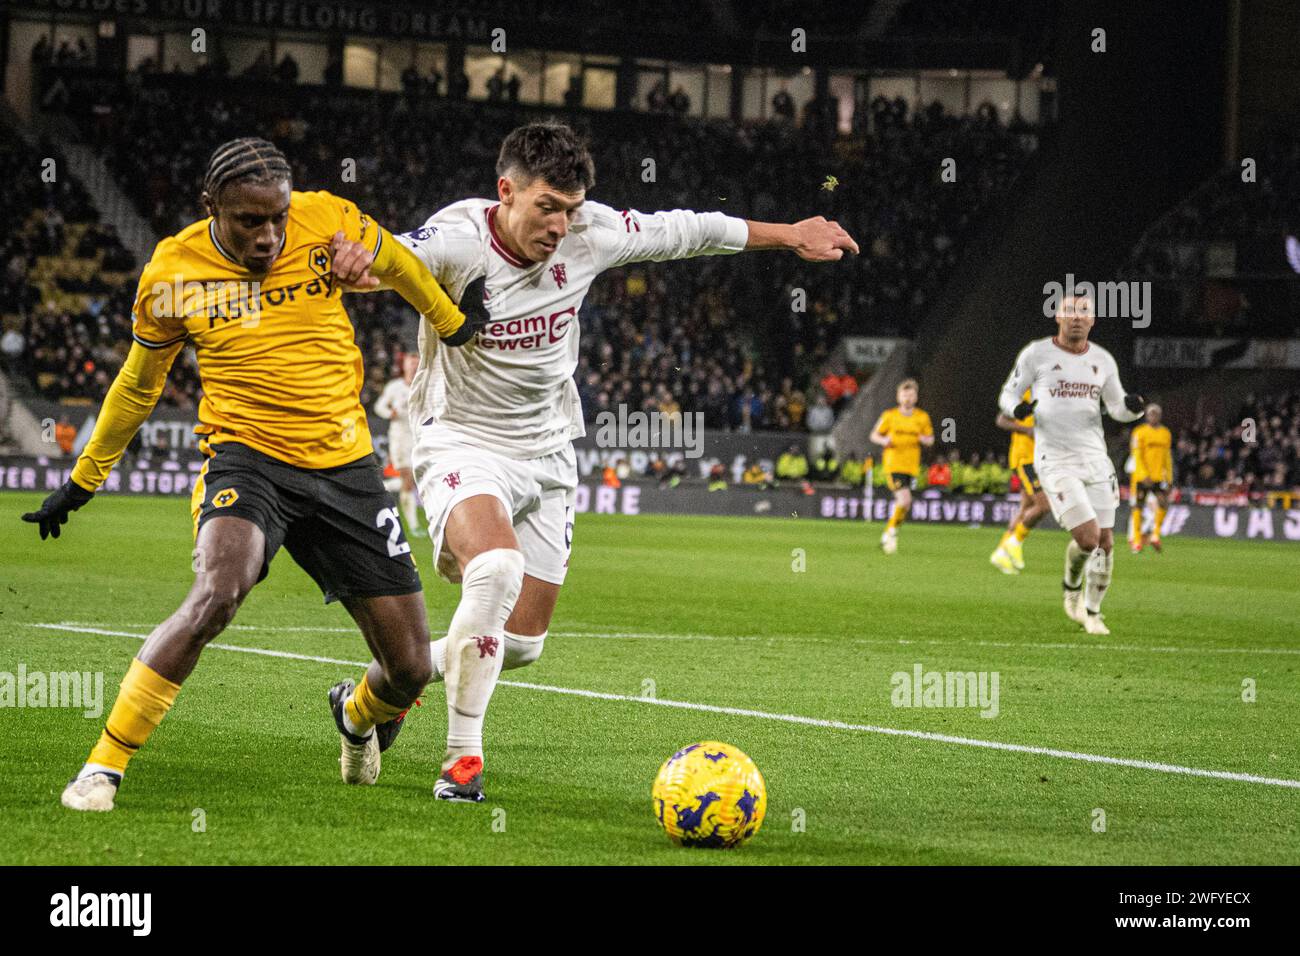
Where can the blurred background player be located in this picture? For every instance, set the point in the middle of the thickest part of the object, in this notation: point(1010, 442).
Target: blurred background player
point(1153, 474)
point(1009, 558)
point(392, 404)
point(901, 431)
point(1069, 375)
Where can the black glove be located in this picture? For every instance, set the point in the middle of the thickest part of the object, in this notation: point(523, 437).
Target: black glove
point(1134, 403)
point(476, 313)
point(55, 508)
point(1023, 410)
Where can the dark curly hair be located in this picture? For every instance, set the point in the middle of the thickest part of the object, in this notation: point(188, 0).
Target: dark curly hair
point(549, 151)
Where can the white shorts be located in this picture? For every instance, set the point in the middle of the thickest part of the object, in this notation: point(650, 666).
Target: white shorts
point(1079, 492)
point(399, 446)
point(538, 494)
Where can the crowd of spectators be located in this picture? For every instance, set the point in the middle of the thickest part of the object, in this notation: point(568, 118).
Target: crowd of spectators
point(1258, 450)
point(1235, 204)
point(712, 335)
point(64, 281)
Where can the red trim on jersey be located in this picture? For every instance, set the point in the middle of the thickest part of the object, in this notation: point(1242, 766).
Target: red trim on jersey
point(1086, 346)
point(501, 248)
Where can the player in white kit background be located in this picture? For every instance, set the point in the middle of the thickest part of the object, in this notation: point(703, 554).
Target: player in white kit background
point(393, 405)
point(1071, 378)
point(494, 419)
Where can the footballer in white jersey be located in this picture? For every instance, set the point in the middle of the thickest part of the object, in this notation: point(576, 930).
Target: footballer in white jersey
point(1071, 379)
point(393, 405)
point(495, 415)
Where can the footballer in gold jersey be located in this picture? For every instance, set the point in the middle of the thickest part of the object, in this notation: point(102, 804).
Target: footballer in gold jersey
point(1009, 558)
point(1153, 475)
point(288, 452)
point(902, 431)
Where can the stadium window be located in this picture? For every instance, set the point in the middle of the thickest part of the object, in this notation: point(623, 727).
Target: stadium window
point(481, 64)
point(688, 80)
point(528, 67)
point(717, 99)
point(25, 40)
point(557, 70)
point(141, 51)
point(753, 95)
point(947, 88)
point(1029, 94)
point(430, 57)
point(599, 87)
point(246, 53)
point(392, 59)
point(178, 53)
point(652, 87)
point(74, 33)
point(361, 64)
point(311, 57)
point(801, 86)
point(893, 88)
point(995, 89)
point(843, 87)
point(647, 82)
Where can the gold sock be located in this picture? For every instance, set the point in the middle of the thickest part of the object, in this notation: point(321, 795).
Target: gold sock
point(365, 709)
point(142, 702)
point(1134, 525)
point(896, 518)
point(1160, 521)
point(1021, 532)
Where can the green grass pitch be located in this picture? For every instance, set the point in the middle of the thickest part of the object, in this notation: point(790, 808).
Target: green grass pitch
point(701, 612)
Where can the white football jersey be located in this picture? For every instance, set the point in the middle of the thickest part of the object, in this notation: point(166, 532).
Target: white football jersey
point(511, 388)
point(395, 398)
point(1070, 390)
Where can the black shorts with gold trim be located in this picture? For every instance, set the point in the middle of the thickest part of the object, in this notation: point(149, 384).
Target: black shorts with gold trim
point(1147, 487)
point(897, 480)
point(339, 524)
point(1028, 479)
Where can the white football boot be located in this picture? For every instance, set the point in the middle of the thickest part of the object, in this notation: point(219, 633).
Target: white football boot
point(1073, 601)
point(889, 541)
point(359, 758)
point(1093, 623)
point(92, 792)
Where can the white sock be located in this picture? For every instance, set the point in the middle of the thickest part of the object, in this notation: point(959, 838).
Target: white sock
point(438, 652)
point(90, 768)
point(1099, 566)
point(1075, 558)
point(520, 652)
point(473, 651)
point(410, 505)
point(349, 725)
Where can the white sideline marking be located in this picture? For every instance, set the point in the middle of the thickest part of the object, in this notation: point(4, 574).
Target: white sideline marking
point(783, 718)
point(593, 631)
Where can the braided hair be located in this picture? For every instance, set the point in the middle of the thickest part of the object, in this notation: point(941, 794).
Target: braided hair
point(248, 159)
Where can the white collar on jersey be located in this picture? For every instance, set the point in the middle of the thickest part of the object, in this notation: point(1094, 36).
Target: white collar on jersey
point(212, 234)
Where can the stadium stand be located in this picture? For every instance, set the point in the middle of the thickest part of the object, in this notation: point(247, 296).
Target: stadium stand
point(681, 338)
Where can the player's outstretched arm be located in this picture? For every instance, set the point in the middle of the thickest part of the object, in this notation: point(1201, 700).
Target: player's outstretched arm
point(396, 267)
point(129, 401)
point(816, 239)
